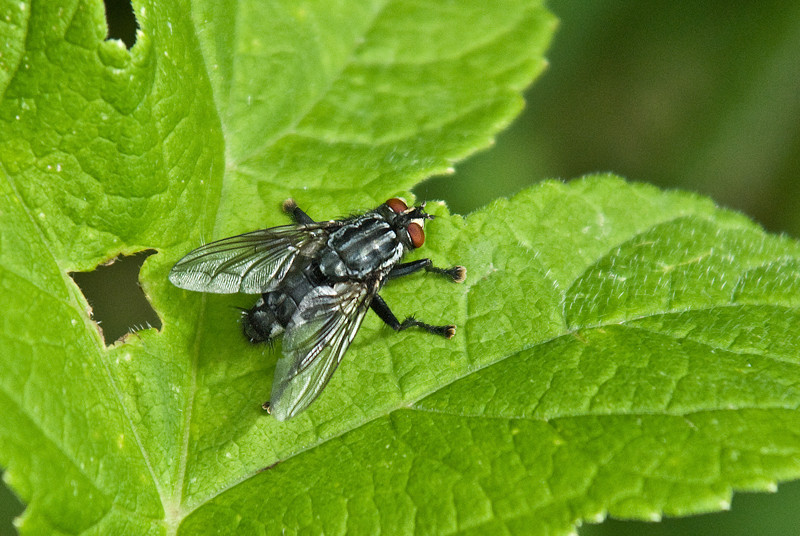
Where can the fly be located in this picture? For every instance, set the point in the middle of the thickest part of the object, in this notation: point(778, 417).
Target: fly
point(316, 280)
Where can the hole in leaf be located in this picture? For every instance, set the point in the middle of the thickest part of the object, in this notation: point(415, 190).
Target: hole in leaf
point(118, 304)
point(10, 507)
point(121, 21)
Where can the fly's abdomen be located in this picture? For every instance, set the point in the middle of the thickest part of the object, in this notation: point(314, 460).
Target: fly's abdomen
point(360, 249)
point(273, 311)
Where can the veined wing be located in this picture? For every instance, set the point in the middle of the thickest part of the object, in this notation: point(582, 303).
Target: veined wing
point(316, 339)
point(253, 262)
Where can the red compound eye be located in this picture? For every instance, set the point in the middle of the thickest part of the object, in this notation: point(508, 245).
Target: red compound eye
point(397, 205)
point(417, 234)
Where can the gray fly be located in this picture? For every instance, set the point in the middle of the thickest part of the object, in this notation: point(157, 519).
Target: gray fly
point(316, 280)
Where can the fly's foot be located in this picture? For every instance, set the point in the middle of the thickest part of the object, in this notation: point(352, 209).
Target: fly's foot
point(457, 273)
point(444, 331)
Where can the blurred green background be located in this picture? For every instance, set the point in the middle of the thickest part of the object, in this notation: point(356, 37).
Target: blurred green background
point(699, 96)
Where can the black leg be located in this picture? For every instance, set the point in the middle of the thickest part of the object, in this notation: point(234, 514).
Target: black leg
point(290, 207)
point(382, 310)
point(456, 273)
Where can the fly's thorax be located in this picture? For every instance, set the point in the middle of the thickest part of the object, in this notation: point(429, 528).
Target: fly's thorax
point(362, 248)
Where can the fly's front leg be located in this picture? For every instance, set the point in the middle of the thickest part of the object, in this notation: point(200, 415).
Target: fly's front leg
point(382, 310)
point(296, 213)
point(455, 273)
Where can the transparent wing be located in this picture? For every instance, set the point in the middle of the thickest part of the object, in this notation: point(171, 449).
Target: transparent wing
point(253, 262)
point(316, 339)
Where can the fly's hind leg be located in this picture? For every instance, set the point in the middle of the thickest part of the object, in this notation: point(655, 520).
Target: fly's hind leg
point(382, 310)
point(296, 213)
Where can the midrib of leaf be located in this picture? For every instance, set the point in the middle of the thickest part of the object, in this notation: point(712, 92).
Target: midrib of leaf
point(177, 497)
point(705, 344)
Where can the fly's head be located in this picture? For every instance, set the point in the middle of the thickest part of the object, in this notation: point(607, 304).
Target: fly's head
point(408, 222)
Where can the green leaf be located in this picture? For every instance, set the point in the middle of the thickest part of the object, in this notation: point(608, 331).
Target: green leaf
point(620, 349)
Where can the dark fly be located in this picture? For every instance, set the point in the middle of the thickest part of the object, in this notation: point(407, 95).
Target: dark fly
point(316, 280)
